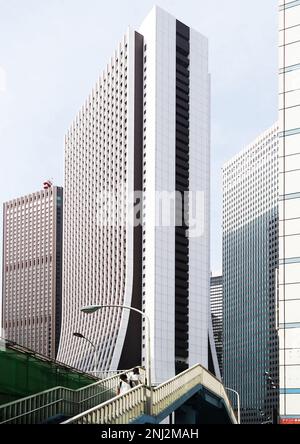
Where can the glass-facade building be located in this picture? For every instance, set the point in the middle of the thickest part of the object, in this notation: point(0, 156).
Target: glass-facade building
point(289, 210)
point(250, 261)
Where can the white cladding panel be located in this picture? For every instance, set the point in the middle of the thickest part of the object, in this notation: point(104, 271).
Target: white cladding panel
point(199, 257)
point(289, 183)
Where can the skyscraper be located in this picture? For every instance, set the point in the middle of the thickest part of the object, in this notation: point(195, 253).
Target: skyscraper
point(145, 127)
point(32, 269)
point(250, 261)
point(289, 210)
point(216, 305)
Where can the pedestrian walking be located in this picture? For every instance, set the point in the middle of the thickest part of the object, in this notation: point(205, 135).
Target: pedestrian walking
point(135, 378)
point(124, 385)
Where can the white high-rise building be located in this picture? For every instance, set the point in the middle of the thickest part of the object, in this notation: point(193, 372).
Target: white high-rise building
point(289, 210)
point(145, 127)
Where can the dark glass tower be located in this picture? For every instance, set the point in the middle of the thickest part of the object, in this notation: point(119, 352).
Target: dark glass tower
point(250, 261)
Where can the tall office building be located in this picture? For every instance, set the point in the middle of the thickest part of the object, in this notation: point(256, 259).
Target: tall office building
point(32, 270)
point(145, 127)
point(216, 305)
point(250, 261)
point(289, 210)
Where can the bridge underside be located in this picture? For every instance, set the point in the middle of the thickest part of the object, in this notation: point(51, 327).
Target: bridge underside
point(198, 406)
point(200, 411)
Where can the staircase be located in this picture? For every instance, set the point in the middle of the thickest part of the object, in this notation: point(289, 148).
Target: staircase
point(98, 404)
point(142, 405)
point(60, 403)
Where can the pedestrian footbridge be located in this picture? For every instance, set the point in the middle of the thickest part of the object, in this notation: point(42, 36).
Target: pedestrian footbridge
point(194, 396)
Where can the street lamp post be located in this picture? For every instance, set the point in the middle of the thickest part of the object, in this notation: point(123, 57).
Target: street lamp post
point(93, 308)
point(238, 402)
point(81, 336)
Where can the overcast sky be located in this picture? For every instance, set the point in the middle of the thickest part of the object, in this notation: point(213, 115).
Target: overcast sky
point(52, 51)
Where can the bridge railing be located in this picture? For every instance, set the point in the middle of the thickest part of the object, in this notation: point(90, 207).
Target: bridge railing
point(165, 394)
point(90, 396)
point(40, 407)
point(141, 401)
point(121, 410)
point(37, 408)
point(217, 388)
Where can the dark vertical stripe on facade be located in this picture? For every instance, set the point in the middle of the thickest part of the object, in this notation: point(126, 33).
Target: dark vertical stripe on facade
point(131, 354)
point(211, 366)
point(182, 186)
point(216, 297)
point(58, 271)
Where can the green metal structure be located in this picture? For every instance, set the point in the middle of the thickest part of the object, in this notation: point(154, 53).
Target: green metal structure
point(24, 372)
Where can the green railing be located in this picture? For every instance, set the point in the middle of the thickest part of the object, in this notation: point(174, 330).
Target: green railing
point(24, 372)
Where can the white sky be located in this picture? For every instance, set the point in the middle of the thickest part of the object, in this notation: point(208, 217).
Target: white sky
point(52, 51)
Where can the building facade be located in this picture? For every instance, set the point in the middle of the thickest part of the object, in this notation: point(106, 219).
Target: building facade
point(250, 262)
point(216, 306)
point(32, 270)
point(289, 210)
point(145, 127)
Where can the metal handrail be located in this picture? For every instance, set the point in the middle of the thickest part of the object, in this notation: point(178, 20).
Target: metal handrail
point(93, 396)
point(27, 398)
point(51, 404)
point(59, 400)
point(34, 411)
point(142, 401)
